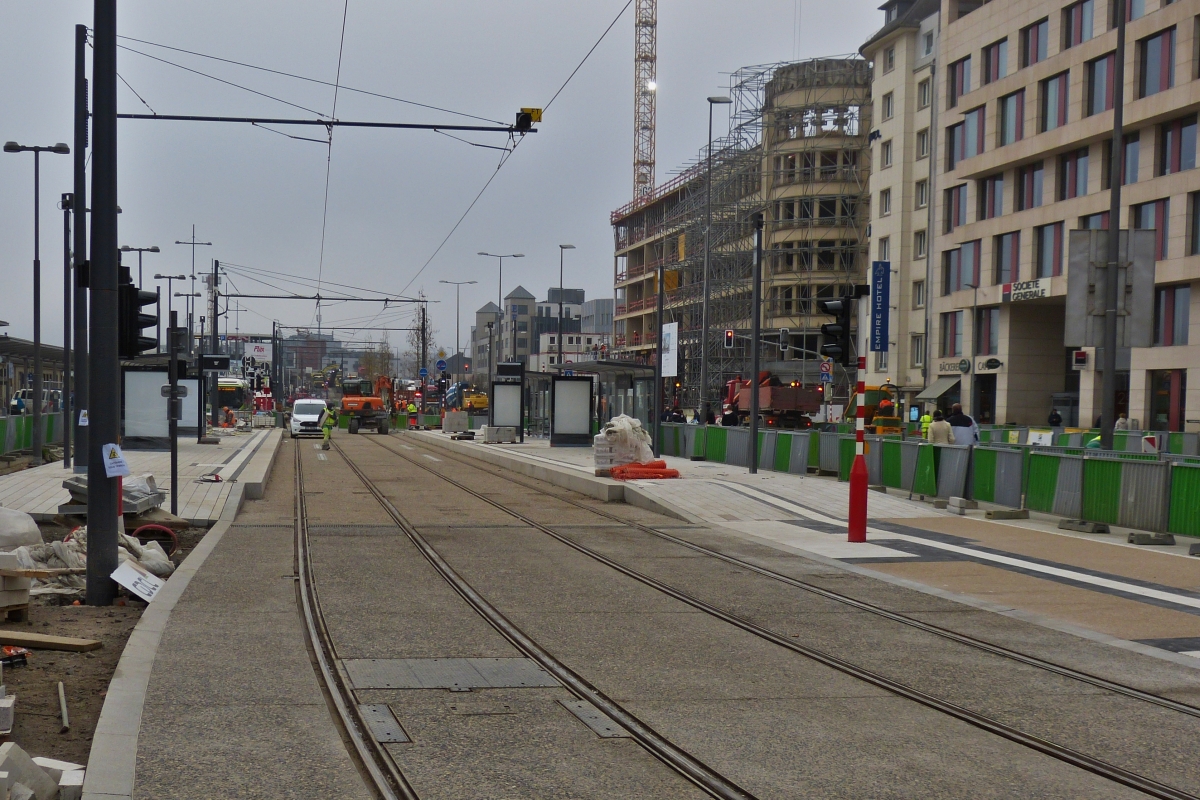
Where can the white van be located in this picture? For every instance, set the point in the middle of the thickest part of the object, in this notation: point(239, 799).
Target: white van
point(306, 417)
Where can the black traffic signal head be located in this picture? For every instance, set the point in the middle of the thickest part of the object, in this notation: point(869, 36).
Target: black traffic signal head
point(728, 339)
point(837, 334)
point(131, 321)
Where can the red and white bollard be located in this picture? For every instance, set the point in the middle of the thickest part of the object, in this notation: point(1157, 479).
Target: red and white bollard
point(857, 527)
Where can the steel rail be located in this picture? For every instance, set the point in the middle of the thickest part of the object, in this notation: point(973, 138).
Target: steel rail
point(700, 774)
point(1062, 753)
point(862, 605)
point(389, 783)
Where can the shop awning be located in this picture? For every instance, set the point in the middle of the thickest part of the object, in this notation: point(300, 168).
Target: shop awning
point(938, 388)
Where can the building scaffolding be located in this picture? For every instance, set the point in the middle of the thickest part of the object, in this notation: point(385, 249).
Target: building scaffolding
point(796, 152)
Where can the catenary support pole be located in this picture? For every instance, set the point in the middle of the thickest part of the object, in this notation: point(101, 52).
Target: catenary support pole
point(857, 529)
point(103, 402)
point(79, 209)
point(1108, 403)
point(66, 372)
point(214, 390)
point(174, 405)
point(39, 436)
point(755, 345)
point(659, 405)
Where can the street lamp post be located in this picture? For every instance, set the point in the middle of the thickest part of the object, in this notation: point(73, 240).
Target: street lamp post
point(62, 149)
point(712, 101)
point(500, 282)
point(170, 279)
point(457, 287)
point(562, 248)
point(194, 244)
point(139, 250)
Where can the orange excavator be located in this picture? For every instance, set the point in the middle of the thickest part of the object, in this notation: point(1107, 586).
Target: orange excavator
point(367, 405)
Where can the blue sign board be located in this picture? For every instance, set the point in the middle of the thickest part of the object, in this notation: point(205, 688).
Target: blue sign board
point(881, 283)
point(424, 373)
point(826, 377)
point(441, 365)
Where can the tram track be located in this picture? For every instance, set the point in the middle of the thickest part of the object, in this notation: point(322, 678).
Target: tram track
point(1062, 753)
point(372, 759)
point(843, 599)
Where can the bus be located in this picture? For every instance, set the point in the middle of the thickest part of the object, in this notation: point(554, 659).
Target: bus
point(233, 392)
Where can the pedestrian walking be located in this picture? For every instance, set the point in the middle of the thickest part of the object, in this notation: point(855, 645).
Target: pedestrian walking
point(328, 421)
point(939, 430)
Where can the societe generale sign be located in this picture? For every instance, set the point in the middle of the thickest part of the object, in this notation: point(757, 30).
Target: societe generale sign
point(1025, 290)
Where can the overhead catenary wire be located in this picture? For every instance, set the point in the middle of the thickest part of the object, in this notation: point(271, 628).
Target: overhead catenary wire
point(504, 160)
point(329, 160)
point(313, 80)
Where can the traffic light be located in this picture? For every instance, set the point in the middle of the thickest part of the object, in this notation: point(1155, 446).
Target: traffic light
point(728, 339)
point(785, 340)
point(837, 334)
point(131, 321)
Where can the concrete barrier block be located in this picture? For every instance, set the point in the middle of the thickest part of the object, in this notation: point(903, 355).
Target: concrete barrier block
point(55, 768)
point(1194, 550)
point(1008, 513)
point(962, 502)
point(499, 434)
point(21, 769)
point(1137, 537)
point(7, 707)
point(940, 504)
point(70, 785)
point(1082, 526)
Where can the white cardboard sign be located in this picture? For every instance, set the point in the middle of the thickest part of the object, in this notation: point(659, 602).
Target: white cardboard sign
point(135, 578)
point(115, 465)
point(83, 421)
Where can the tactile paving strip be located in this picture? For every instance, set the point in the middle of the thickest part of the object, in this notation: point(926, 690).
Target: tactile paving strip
point(455, 674)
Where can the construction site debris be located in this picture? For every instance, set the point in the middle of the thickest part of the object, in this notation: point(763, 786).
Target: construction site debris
point(62, 708)
point(24, 772)
point(622, 440)
point(16, 529)
point(55, 768)
point(139, 494)
point(652, 470)
point(42, 641)
point(70, 555)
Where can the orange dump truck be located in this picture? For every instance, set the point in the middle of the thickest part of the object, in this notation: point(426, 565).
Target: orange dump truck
point(367, 405)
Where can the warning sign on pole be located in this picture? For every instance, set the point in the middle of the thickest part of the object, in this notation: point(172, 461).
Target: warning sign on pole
point(115, 465)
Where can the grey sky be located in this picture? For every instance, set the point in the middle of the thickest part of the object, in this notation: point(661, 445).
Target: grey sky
point(394, 195)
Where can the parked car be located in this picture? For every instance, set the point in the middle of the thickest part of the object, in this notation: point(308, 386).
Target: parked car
point(306, 417)
point(50, 401)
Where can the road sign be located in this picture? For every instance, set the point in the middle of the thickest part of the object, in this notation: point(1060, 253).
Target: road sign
point(214, 363)
point(424, 373)
point(441, 365)
point(827, 368)
point(165, 390)
point(826, 377)
point(568, 373)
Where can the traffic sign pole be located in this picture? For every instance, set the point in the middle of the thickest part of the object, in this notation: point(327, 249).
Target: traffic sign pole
point(857, 528)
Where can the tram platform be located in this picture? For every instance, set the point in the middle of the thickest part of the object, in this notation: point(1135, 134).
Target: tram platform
point(1142, 598)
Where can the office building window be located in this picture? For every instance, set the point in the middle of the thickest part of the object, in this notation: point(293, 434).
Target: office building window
point(959, 81)
point(918, 294)
point(1194, 223)
point(995, 61)
point(960, 267)
point(1094, 222)
point(1008, 253)
point(1030, 180)
point(987, 331)
point(885, 249)
point(1077, 23)
point(1177, 146)
point(965, 140)
point(1048, 242)
point(1136, 9)
point(881, 360)
point(920, 244)
point(927, 44)
point(991, 196)
point(889, 105)
point(922, 193)
point(1171, 315)
point(1012, 117)
point(1154, 216)
point(956, 207)
point(1054, 102)
point(885, 202)
point(1033, 42)
point(1129, 167)
point(917, 349)
point(885, 153)
point(1156, 56)
point(1073, 174)
point(889, 59)
point(951, 334)
point(924, 93)
point(1100, 84)
point(923, 143)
